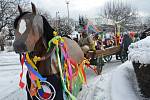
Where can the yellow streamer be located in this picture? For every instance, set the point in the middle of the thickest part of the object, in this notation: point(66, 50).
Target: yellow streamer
point(36, 59)
point(55, 33)
point(33, 65)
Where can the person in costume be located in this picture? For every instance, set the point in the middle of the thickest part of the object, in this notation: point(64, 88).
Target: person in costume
point(86, 42)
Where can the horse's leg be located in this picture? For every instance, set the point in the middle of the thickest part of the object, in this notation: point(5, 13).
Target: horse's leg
point(56, 82)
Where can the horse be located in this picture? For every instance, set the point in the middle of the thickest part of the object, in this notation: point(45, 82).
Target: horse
point(32, 35)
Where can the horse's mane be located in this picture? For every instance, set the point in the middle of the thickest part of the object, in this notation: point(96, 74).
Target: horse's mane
point(18, 18)
point(48, 30)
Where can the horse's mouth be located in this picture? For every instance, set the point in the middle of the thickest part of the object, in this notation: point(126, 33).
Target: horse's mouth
point(20, 51)
point(33, 53)
point(19, 46)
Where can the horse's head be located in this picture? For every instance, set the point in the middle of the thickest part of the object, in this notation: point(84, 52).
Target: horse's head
point(31, 30)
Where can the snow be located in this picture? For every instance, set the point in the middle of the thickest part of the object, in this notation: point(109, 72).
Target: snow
point(118, 84)
point(117, 81)
point(139, 51)
point(75, 34)
point(121, 83)
point(9, 77)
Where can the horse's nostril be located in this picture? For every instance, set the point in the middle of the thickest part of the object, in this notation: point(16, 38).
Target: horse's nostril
point(19, 47)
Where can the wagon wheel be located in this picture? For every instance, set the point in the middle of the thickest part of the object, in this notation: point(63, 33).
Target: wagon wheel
point(108, 58)
point(100, 64)
point(118, 55)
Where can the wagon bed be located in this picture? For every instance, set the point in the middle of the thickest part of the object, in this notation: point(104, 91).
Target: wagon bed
point(99, 54)
point(106, 52)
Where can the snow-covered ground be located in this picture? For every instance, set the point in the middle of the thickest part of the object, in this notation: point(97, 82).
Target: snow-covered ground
point(116, 84)
point(9, 77)
point(117, 81)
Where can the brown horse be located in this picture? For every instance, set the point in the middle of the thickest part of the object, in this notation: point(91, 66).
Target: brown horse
point(32, 34)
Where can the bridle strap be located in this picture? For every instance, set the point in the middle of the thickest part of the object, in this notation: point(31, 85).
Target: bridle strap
point(47, 55)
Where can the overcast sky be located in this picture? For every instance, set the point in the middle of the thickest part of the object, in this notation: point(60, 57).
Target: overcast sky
point(89, 8)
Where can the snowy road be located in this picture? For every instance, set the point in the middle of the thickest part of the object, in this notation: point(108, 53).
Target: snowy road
point(98, 87)
point(117, 81)
point(9, 77)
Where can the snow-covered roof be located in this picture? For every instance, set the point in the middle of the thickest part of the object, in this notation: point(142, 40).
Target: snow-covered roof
point(74, 34)
point(140, 51)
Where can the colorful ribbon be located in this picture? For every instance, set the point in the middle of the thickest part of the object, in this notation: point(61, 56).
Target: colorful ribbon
point(66, 67)
point(21, 83)
point(33, 69)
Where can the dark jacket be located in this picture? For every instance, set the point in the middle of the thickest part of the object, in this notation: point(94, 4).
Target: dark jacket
point(126, 41)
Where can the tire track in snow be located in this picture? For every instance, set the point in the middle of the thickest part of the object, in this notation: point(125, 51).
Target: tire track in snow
point(99, 87)
point(17, 94)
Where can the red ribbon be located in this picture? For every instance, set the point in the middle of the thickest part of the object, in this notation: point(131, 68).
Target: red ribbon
point(21, 83)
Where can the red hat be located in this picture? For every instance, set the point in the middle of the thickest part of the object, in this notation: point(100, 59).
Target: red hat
point(132, 34)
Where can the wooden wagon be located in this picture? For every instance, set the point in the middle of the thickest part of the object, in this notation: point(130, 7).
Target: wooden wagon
point(106, 54)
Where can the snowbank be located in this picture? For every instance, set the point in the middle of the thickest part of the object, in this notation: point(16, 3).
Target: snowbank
point(139, 51)
point(123, 83)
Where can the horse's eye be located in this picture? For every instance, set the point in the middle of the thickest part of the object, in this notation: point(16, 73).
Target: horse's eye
point(22, 26)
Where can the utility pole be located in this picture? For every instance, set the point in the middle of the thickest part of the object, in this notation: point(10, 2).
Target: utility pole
point(56, 22)
point(67, 2)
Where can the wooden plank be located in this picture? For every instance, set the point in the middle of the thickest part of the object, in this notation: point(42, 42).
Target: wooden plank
point(108, 51)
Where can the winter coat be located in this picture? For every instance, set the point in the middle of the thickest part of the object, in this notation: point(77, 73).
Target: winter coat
point(87, 43)
point(126, 41)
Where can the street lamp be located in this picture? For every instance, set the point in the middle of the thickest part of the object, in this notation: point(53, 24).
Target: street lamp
point(67, 2)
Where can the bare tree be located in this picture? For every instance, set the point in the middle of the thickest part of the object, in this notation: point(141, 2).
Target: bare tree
point(147, 22)
point(63, 27)
point(46, 14)
point(8, 12)
point(120, 13)
point(7, 8)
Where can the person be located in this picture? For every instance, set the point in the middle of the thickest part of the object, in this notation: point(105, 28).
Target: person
point(127, 40)
point(86, 42)
point(132, 35)
point(108, 40)
point(136, 36)
point(98, 42)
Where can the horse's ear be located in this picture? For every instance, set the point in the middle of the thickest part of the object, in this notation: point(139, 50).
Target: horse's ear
point(33, 8)
point(20, 10)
